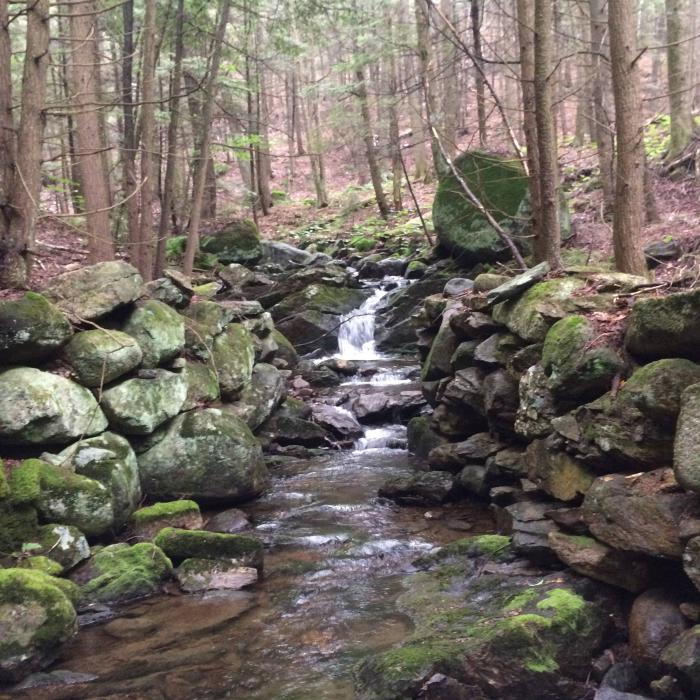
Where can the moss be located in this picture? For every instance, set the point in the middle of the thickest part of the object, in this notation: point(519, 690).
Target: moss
point(163, 511)
point(120, 573)
point(25, 481)
point(18, 524)
point(191, 544)
point(521, 600)
point(41, 563)
point(564, 340)
point(568, 607)
point(418, 658)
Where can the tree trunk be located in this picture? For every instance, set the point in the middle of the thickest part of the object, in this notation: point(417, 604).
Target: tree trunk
point(475, 12)
point(548, 243)
point(679, 77)
point(629, 180)
point(89, 144)
point(394, 136)
point(203, 146)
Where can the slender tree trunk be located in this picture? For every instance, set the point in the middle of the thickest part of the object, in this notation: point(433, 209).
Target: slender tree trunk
point(548, 243)
point(89, 144)
point(169, 184)
point(629, 180)
point(602, 120)
point(475, 11)
point(394, 136)
point(203, 147)
point(262, 152)
point(678, 24)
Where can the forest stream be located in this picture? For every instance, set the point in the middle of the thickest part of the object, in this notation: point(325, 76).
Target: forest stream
point(336, 557)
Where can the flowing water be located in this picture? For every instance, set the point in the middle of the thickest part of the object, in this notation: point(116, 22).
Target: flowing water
point(336, 556)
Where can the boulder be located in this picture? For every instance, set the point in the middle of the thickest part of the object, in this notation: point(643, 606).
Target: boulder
point(639, 512)
point(686, 446)
point(501, 400)
point(292, 430)
point(285, 255)
point(390, 402)
point(421, 488)
point(202, 384)
point(36, 618)
point(95, 291)
point(238, 276)
point(500, 184)
point(556, 472)
point(452, 456)
point(147, 522)
point(529, 525)
point(473, 325)
point(119, 573)
point(285, 350)
point(666, 326)
point(415, 270)
point(457, 286)
point(31, 329)
point(466, 392)
point(654, 622)
point(190, 544)
point(42, 408)
point(159, 331)
point(587, 556)
point(229, 522)
point(691, 560)
point(577, 368)
point(238, 242)
point(339, 421)
point(259, 399)
point(463, 356)
point(437, 363)
point(517, 285)
point(536, 406)
point(197, 575)
point(662, 251)
point(682, 658)
point(422, 437)
point(63, 544)
point(166, 290)
point(206, 454)
point(233, 357)
point(138, 406)
point(99, 357)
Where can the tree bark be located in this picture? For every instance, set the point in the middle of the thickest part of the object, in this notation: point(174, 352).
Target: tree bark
point(629, 180)
point(475, 12)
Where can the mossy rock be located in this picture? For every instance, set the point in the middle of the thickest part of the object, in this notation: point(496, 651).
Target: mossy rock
point(320, 297)
point(159, 331)
point(181, 544)
point(205, 454)
point(147, 522)
point(138, 406)
point(64, 544)
point(202, 385)
point(195, 575)
point(42, 564)
point(42, 408)
point(422, 437)
point(36, 617)
point(265, 392)
point(98, 357)
point(285, 350)
point(18, 524)
point(237, 242)
point(119, 573)
point(233, 357)
point(500, 184)
point(31, 329)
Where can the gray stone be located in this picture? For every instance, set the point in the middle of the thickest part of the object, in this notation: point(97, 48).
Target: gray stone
point(458, 286)
point(159, 331)
point(422, 488)
point(455, 455)
point(341, 422)
point(238, 242)
point(98, 357)
point(516, 286)
point(95, 291)
point(196, 575)
point(233, 356)
point(38, 407)
point(536, 407)
point(259, 399)
point(686, 447)
point(202, 385)
point(229, 522)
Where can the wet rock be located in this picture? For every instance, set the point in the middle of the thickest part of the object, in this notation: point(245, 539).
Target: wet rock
point(202, 385)
point(119, 573)
point(138, 406)
point(39, 407)
point(259, 399)
point(233, 355)
point(517, 285)
point(318, 375)
point(654, 622)
point(422, 437)
point(457, 286)
point(640, 513)
point(422, 488)
point(36, 618)
point(95, 291)
point(339, 421)
point(146, 523)
point(682, 658)
point(159, 331)
point(596, 560)
point(556, 472)
point(455, 455)
point(237, 242)
point(537, 405)
point(99, 357)
point(463, 356)
point(475, 479)
point(228, 521)
point(666, 326)
point(180, 545)
point(575, 367)
point(387, 402)
point(205, 454)
point(442, 687)
point(196, 575)
point(290, 430)
point(415, 270)
point(31, 329)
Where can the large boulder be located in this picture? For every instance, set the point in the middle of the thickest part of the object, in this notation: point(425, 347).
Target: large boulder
point(285, 255)
point(181, 545)
point(119, 573)
point(537, 405)
point(639, 512)
point(138, 406)
point(500, 184)
point(39, 407)
point(682, 657)
point(438, 362)
point(339, 421)
point(421, 488)
point(233, 356)
point(686, 447)
point(147, 522)
point(36, 618)
point(667, 326)
point(266, 391)
point(422, 437)
point(159, 331)
point(206, 454)
point(202, 384)
point(91, 292)
point(98, 357)
point(556, 472)
point(31, 329)
point(237, 242)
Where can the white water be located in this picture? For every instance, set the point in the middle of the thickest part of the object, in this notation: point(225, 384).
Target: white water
point(356, 334)
point(387, 437)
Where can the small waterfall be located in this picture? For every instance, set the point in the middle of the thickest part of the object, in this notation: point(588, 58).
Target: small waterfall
point(388, 437)
point(356, 334)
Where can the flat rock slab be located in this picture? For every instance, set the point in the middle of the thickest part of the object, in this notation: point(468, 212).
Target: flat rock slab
point(516, 286)
point(195, 575)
